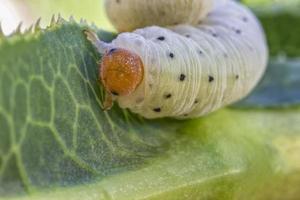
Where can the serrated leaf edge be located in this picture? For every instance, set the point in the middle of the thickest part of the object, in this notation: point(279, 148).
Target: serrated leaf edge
point(56, 20)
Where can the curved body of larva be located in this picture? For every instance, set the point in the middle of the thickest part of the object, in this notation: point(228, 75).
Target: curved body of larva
point(190, 71)
point(128, 15)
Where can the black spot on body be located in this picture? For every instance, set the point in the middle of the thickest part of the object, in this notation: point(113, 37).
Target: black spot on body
point(112, 50)
point(196, 101)
point(188, 36)
point(157, 110)
point(118, 1)
point(200, 52)
point(115, 93)
point(245, 19)
point(182, 77)
point(238, 31)
point(171, 55)
point(237, 77)
point(167, 96)
point(161, 38)
point(214, 35)
point(162, 13)
point(211, 79)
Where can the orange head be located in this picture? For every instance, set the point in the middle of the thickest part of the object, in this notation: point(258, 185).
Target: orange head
point(121, 71)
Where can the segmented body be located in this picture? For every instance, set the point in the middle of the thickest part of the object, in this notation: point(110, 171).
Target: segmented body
point(128, 15)
point(192, 70)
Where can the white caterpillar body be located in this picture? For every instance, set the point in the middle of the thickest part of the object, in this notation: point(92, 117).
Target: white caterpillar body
point(191, 71)
point(128, 15)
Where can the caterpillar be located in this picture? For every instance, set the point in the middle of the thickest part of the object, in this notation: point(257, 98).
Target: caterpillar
point(128, 15)
point(186, 70)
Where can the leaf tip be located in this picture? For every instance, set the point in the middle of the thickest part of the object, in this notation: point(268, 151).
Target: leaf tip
point(18, 29)
point(37, 25)
point(1, 30)
point(53, 20)
point(83, 21)
point(60, 19)
point(72, 19)
point(93, 25)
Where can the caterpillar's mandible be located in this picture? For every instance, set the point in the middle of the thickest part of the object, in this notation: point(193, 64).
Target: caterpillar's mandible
point(185, 71)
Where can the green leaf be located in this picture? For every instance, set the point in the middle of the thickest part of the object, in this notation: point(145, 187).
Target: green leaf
point(53, 131)
point(57, 143)
point(280, 87)
point(213, 159)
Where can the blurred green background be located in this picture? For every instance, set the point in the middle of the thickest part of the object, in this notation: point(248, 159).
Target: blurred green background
point(92, 10)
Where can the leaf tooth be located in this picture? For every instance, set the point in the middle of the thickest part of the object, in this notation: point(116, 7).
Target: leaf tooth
point(18, 29)
point(37, 25)
point(72, 19)
point(1, 30)
point(53, 20)
point(60, 20)
point(83, 21)
point(58, 17)
point(93, 25)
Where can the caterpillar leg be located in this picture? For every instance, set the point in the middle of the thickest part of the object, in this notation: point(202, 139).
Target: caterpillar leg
point(108, 101)
point(101, 46)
